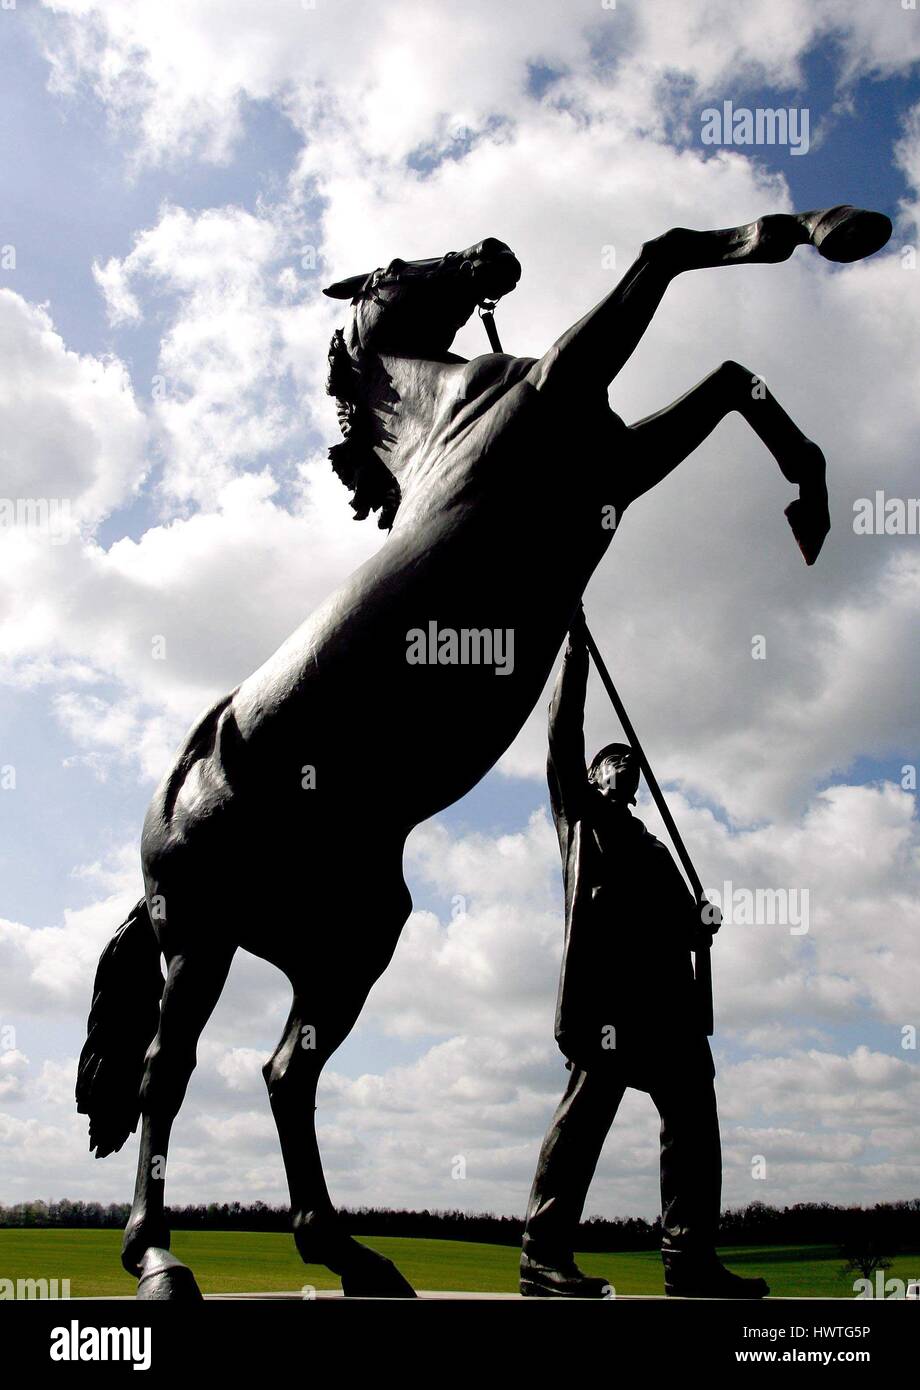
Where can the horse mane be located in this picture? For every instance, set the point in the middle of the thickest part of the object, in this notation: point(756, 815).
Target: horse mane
point(372, 485)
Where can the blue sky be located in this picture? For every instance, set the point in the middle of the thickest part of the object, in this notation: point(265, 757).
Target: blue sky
point(224, 539)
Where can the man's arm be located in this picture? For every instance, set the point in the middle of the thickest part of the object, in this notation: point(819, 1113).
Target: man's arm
point(695, 923)
point(565, 768)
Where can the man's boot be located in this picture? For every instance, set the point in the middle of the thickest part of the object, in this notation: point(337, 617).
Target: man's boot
point(544, 1276)
point(701, 1274)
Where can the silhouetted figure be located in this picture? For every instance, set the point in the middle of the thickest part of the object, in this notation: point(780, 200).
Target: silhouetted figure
point(627, 1015)
point(260, 836)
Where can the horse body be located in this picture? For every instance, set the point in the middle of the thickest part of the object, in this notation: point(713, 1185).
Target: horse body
point(280, 827)
point(478, 504)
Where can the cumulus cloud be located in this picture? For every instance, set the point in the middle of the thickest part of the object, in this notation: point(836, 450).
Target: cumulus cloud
point(473, 982)
point(217, 397)
point(117, 633)
point(13, 1066)
point(425, 79)
point(241, 360)
point(564, 131)
point(48, 971)
point(72, 430)
point(719, 515)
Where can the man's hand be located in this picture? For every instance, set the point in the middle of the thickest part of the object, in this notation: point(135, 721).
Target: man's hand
point(576, 648)
point(578, 628)
point(710, 918)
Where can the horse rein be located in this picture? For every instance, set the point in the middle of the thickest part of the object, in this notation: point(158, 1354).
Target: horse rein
point(487, 314)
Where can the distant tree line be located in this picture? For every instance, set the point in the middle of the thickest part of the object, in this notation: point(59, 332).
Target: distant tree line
point(890, 1225)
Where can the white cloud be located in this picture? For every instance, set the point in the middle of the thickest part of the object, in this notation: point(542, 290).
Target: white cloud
point(415, 77)
point(217, 396)
point(140, 637)
point(756, 735)
point(240, 556)
point(243, 331)
point(478, 989)
point(13, 1068)
point(48, 971)
point(112, 279)
point(71, 428)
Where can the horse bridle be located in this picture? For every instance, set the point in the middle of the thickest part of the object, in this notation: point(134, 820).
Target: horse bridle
point(485, 307)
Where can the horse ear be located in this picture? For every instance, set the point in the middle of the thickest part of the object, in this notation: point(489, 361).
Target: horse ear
point(347, 289)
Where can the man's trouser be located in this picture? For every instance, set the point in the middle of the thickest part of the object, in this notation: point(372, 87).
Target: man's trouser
point(683, 1093)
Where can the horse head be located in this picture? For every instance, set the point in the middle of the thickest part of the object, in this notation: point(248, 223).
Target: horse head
point(414, 308)
point(404, 309)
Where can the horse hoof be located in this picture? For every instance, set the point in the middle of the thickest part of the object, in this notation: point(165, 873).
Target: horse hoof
point(846, 233)
point(166, 1279)
point(810, 526)
point(141, 1235)
point(374, 1276)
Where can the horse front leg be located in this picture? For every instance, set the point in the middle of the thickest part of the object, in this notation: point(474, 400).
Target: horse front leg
point(666, 438)
point(592, 352)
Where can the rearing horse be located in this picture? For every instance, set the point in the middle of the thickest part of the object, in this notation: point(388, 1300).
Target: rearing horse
point(281, 824)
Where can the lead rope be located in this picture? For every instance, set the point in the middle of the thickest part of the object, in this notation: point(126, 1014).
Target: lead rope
point(703, 961)
point(487, 314)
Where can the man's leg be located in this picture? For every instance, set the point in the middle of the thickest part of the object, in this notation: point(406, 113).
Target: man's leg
point(565, 1168)
point(691, 1154)
point(691, 1180)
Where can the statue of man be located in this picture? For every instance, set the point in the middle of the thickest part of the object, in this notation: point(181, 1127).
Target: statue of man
point(627, 1015)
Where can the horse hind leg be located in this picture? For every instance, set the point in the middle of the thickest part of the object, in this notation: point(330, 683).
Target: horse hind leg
point(312, 1033)
point(193, 986)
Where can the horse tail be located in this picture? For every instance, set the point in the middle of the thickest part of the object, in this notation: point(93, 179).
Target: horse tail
point(123, 1019)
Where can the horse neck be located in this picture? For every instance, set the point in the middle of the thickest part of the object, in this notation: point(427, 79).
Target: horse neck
point(406, 397)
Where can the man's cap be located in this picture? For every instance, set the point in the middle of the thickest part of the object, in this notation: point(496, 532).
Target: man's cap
point(616, 751)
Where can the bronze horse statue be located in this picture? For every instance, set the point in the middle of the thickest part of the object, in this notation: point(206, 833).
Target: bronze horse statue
point(281, 824)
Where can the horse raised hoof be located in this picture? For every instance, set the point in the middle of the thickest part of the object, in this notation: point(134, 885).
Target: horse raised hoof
point(845, 233)
point(164, 1279)
point(810, 524)
point(374, 1276)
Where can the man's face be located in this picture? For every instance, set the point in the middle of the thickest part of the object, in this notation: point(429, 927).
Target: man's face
point(617, 778)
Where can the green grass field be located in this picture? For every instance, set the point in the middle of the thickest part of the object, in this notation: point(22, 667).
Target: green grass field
point(249, 1262)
